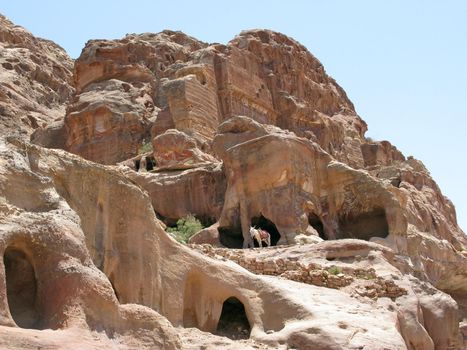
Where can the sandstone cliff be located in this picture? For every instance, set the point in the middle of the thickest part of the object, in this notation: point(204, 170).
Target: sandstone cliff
point(35, 80)
point(367, 255)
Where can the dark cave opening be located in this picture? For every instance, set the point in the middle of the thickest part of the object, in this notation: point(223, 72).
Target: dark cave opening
point(233, 322)
point(21, 287)
point(231, 237)
point(267, 225)
point(364, 225)
point(206, 220)
point(315, 222)
point(149, 161)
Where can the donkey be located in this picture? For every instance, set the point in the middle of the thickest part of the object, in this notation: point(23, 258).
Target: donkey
point(260, 236)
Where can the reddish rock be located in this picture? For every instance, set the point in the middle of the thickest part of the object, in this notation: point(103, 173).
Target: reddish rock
point(260, 74)
point(380, 153)
point(109, 121)
point(282, 73)
point(176, 150)
point(208, 235)
point(176, 193)
point(35, 80)
point(78, 238)
point(266, 165)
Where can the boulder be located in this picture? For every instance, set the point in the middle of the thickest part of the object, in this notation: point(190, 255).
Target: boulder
point(208, 235)
point(176, 150)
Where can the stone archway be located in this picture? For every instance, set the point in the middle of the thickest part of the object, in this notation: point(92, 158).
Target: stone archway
point(21, 287)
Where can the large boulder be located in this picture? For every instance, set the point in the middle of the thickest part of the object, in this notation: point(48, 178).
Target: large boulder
point(176, 150)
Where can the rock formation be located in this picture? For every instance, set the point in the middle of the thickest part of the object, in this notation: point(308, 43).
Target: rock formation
point(35, 80)
point(367, 251)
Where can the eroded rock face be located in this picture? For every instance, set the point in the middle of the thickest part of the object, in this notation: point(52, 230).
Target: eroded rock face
point(176, 193)
point(176, 150)
point(35, 80)
point(109, 121)
point(295, 184)
point(122, 94)
point(249, 133)
point(260, 74)
point(47, 276)
point(94, 249)
point(293, 83)
point(266, 165)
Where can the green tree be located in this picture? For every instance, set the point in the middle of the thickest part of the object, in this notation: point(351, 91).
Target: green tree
point(186, 227)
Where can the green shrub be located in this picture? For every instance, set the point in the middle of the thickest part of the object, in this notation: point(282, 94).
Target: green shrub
point(334, 270)
point(145, 147)
point(186, 227)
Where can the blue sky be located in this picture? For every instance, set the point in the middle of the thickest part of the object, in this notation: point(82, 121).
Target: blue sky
point(402, 63)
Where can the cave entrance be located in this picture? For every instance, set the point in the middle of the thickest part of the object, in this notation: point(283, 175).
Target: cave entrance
point(315, 222)
point(233, 322)
point(231, 237)
point(267, 225)
point(21, 287)
point(149, 162)
point(365, 225)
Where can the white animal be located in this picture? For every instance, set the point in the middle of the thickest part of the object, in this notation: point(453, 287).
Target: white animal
point(260, 236)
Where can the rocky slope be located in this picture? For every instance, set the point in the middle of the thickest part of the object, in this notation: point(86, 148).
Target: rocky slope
point(368, 253)
point(35, 80)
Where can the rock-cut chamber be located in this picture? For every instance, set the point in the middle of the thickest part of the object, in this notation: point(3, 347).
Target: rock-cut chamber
point(267, 225)
point(231, 237)
point(233, 322)
point(21, 286)
point(365, 225)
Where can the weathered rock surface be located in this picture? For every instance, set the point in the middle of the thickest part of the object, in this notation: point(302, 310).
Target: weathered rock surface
point(176, 150)
point(292, 184)
point(35, 80)
point(175, 194)
point(249, 133)
point(266, 165)
point(91, 250)
point(195, 86)
point(108, 121)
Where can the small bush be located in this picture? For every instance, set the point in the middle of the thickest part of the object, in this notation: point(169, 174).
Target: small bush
point(145, 147)
point(186, 227)
point(334, 270)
